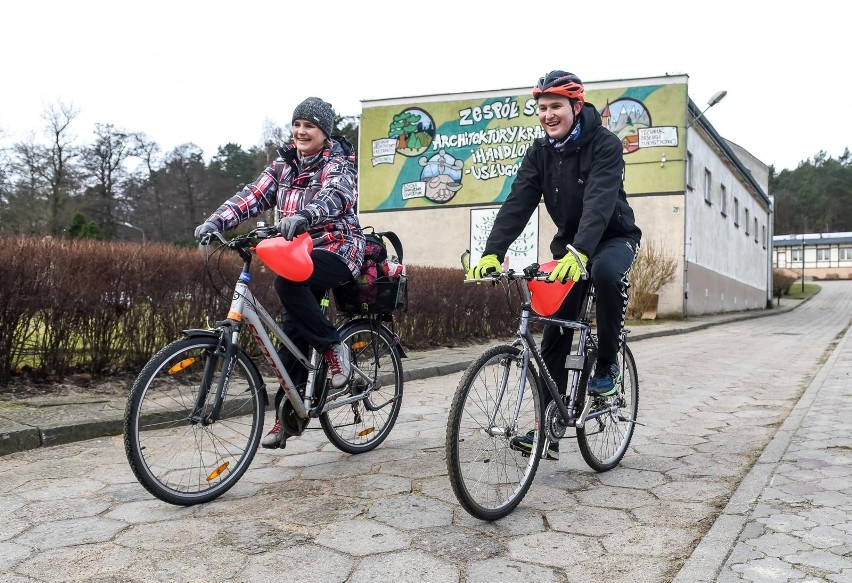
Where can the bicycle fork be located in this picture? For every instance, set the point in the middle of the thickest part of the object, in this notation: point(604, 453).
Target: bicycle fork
point(225, 349)
point(510, 430)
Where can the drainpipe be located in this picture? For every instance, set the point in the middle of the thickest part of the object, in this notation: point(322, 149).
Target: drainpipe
point(770, 247)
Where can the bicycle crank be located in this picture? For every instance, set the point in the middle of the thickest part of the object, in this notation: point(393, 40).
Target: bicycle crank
point(553, 427)
point(291, 423)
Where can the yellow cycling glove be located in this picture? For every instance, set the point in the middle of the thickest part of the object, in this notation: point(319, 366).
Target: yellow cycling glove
point(486, 265)
point(568, 268)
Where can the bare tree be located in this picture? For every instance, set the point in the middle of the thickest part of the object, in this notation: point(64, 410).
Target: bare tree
point(185, 178)
point(148, 204)
point(104, 162)
point(57, 168)
point(274, 136)
point(26, 207)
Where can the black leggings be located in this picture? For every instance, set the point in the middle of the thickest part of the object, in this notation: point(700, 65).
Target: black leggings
point(304, 321)
point(609, 266)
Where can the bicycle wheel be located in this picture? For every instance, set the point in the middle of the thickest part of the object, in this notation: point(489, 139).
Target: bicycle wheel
point(181, 456)
point(362, 425)
point(488, 476)
point(603, 441)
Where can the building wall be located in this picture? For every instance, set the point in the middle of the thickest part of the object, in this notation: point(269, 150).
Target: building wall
point(837, 246)
point(722, 244)
point(438, 237)
point(758, 169)
point(713, 254)
point(661, 218)
point(710, 293)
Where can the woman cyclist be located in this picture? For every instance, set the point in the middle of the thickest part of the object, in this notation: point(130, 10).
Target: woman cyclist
point(312, 186)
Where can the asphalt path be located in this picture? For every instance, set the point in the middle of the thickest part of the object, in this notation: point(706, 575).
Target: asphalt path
point(712, 400)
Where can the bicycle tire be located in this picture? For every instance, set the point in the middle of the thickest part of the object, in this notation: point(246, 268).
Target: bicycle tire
point(604, 441)
point(488, 476)
point(363, 425)
point(179, 459)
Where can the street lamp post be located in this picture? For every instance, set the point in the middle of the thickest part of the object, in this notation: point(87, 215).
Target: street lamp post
point(714, 99)
point(803, 263)
point(126, 224)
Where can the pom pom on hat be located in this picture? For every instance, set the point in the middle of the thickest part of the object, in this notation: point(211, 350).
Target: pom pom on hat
point(316, 111)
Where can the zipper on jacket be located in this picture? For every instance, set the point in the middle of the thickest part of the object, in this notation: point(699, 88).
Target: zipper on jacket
point(558, 174)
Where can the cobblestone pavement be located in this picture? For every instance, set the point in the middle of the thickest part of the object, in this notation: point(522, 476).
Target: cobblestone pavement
point(742, 473)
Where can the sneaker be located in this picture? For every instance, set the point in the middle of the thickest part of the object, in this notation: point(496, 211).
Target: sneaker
point(524, 445)
point(339, 365)
point(272, 439)
point(604, 382)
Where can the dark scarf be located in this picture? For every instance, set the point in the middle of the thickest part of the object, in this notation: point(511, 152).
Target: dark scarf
point(572, 136)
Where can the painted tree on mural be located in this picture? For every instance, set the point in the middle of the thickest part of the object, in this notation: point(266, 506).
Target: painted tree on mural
point(404, 127)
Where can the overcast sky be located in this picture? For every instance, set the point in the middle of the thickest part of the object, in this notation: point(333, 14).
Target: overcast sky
point(213, 72)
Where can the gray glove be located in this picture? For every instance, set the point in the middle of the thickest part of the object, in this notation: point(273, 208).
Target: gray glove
point(203, 229)
point(289, 227)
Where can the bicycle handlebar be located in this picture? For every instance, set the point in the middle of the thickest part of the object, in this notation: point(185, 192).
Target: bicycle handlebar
point(262, 231)
point(530, 273)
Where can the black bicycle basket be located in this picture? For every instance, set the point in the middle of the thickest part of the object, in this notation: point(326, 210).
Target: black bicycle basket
point(382, 286)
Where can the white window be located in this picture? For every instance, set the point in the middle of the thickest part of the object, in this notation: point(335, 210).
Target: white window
point(795, 254)
point(846, 253)
point(707, 187)
point(823, 254)
point(736, 212)
point(763, 235)
point(745, 223)
point(723, 199)
point(755, 229)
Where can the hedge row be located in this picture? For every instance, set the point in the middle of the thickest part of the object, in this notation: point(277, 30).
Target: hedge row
point(107, 307)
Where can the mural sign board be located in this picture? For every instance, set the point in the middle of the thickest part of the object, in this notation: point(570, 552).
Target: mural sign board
point(465, 149)
point(521, 253)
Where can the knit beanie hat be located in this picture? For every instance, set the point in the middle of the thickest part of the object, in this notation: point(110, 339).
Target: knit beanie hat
point(316, 111)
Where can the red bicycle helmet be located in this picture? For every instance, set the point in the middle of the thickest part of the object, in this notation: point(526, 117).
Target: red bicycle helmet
point(561, 83)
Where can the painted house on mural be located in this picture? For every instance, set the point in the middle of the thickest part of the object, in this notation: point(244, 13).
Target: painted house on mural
point(436, 168)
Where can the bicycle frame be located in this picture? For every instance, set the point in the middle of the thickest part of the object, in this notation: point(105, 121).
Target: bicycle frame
point(195, 415)
point(246, 310)
point(577, 361)
point(498, 415)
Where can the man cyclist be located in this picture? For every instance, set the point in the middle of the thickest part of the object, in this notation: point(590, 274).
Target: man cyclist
point(578, 168)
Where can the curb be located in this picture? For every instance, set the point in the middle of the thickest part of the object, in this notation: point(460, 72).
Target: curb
point(709, 557)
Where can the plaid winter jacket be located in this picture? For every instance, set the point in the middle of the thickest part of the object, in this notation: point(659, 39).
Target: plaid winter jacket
point(324, 192)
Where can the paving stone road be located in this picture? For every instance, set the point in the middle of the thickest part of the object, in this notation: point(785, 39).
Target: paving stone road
point(742, 473)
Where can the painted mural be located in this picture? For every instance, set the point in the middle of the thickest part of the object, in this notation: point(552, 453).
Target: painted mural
point(466, 150)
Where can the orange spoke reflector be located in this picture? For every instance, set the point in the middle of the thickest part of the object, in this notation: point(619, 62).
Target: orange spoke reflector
point(218, 471)
point(186, 362)
point(359, 345)
point(367, 431)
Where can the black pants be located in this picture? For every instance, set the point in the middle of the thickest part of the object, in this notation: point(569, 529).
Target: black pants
point(304, 321)
point(609, 266)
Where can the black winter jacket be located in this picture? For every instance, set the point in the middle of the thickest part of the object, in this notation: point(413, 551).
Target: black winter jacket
point(583, 189)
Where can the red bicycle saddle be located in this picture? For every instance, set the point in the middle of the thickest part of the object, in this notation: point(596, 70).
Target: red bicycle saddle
point(289, 259)
point(547, 296)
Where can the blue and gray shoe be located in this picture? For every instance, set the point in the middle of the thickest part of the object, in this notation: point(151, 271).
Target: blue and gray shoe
point(605, 381)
